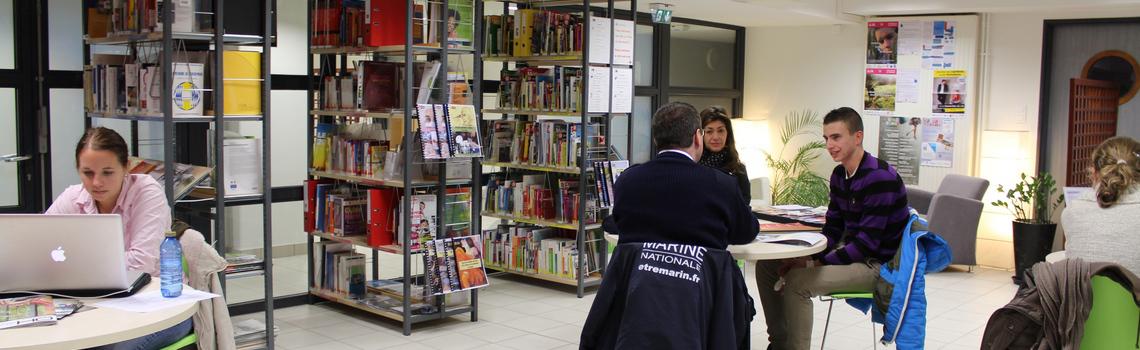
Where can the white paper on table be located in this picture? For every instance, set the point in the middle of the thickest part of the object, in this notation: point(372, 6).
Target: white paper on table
point(790, 207)
point(793, 238)
point(153, 300)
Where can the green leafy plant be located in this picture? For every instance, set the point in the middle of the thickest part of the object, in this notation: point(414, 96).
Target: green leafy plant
point(1030, 200)
point(792, 179)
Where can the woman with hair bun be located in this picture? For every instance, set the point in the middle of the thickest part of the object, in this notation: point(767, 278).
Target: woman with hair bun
point(1100, 226)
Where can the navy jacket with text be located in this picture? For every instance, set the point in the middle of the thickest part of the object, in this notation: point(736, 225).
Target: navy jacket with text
point(669, 296)
point(672, 199)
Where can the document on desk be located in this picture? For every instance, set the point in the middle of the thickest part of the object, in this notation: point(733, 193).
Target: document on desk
point(790, 207)
point(806, 239)
point(153, 300)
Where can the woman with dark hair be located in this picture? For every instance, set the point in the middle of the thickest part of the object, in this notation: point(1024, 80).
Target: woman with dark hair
point(720, 147)
point(107, 188)
point(1100, 225)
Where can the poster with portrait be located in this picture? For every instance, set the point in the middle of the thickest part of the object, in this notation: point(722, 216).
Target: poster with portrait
point(899, 146)
point(938, 142)
point(882, 43)
point(460, 23)
point(879, 91)
point(949, 95)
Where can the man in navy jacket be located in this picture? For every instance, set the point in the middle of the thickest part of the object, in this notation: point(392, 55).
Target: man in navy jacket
point(672, 199)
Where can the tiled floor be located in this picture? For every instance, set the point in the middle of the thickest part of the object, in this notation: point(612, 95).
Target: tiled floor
point(516, 313)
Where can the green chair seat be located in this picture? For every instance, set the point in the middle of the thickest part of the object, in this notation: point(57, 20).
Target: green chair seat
point(182, 343)
point(1113, 318)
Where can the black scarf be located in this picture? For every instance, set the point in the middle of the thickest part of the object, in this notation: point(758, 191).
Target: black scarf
point(715, 160)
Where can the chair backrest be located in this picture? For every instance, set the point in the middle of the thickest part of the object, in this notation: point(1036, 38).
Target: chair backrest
point(964, 186)
point(1112, 322)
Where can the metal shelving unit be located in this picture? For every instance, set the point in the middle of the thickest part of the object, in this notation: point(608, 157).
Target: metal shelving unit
point(586, 233)
point(409, 53)
point(214, 208)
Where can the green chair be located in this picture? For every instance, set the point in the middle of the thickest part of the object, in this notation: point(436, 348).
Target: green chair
point(190, 339)
point(1113, 319)
point(830, 299)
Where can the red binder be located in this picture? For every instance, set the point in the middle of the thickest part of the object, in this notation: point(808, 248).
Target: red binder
point(381, 216)
point(386, 22)
point(311, 203)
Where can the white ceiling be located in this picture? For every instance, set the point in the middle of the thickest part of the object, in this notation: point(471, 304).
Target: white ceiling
point(758, 13)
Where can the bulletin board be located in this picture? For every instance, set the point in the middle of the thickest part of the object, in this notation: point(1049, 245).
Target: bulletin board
point(919, 95)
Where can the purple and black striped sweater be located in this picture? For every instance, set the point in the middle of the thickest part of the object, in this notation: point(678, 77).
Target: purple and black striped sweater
point(867, 214)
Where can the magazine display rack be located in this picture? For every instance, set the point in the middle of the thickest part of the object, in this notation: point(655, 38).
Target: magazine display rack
point(394, 143)
point(566, 70)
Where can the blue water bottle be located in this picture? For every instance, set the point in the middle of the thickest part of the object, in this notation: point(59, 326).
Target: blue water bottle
point(170, 266)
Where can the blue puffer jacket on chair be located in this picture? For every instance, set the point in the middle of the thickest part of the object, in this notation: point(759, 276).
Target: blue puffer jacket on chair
point(900, 294)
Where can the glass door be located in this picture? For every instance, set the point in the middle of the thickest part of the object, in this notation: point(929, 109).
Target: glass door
point(19, 158)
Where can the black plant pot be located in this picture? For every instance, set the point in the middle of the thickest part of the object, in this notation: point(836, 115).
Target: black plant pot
point(1031, 243)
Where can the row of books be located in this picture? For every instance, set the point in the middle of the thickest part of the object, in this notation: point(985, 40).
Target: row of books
point(372, 23)
point(341, 210)
point(540, 250)
point(117, 84)
point(449, 131)
point(454, 264)
point(186, 176)
point(541, 197)
point(237, 263)
point(531, 32)
point(552, 143)
point(606, 173)
point(555, 89)
point(338, 269)
point(343, 153)
point(106, 17)
point(376, 86)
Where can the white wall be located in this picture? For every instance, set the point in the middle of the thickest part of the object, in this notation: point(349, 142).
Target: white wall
point(819, 67)
point(791, 69)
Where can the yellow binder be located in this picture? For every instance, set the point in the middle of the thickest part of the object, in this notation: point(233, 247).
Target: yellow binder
point(241, 71)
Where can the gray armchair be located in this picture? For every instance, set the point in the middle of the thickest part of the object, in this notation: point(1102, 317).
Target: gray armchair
point(953, 213)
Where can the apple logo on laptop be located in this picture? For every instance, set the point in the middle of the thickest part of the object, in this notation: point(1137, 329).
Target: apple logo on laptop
point(57, 254)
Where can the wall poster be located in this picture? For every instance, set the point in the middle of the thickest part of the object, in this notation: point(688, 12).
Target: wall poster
point(882, 42)
point(938, 142)
point(879, 91)
point(899, 146)
point(949, 97)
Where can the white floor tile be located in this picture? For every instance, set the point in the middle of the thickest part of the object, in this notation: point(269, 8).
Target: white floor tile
point(568, 316)
point(493, 332)
point(532, 324)
point(302, 338)
point(567, 333)
point(343, 330)
point(327, 346)
point(533, 342)
point(454, 341)
point(376, 340)
point(531, 308)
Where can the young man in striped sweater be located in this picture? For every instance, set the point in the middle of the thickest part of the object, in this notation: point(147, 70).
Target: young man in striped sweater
point(865, 219)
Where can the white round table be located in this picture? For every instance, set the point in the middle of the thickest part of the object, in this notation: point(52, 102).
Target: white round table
point(94, 327)
point(1055, 256)
point(761, 251)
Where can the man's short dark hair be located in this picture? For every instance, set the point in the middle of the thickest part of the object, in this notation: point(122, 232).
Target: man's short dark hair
point(847, 116)
point(674, 125)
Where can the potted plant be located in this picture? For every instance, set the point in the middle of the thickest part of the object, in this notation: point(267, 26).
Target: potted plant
point(1032, 205)
point(793, 182)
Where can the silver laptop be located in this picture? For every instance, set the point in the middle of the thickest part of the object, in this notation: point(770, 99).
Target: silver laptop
point(62, 252)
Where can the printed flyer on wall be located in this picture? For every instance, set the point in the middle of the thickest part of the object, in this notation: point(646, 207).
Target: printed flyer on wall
point(949, 93)
point(938, 142)
point(898, 146)
point(879, 91)
point(938, 47)
point(882, 42)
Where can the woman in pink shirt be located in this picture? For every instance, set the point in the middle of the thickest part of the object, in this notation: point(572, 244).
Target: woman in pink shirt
point(101, 159)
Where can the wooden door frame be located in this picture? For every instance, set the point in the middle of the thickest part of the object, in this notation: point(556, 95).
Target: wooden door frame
point(1048, 29)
